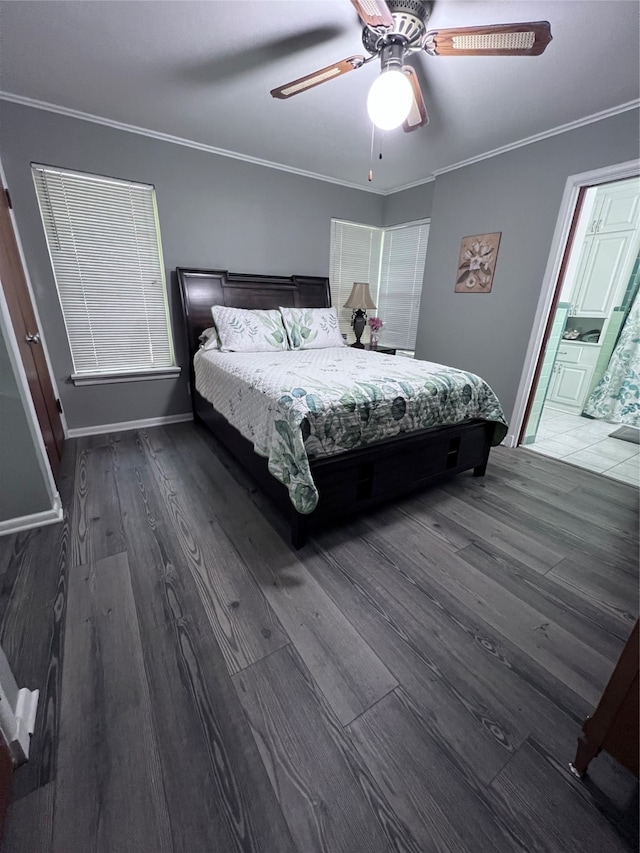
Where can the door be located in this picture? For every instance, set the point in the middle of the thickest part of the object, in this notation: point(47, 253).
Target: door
point(617, 208)
point(23, 319)
point(602, 269)
point(569, 384)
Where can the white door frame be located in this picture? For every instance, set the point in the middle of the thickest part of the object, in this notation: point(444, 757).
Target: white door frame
point(572, 188)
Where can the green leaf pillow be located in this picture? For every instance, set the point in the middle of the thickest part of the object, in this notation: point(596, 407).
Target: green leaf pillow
point(242, 330)
point(312, 328)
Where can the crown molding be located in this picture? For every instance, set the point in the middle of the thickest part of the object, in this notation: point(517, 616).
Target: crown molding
point(410, 186)
point(178, 140)
point(555, 131)
point(234, 155)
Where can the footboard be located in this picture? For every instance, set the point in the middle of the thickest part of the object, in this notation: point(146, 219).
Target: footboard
point(372, 475)
point(365, 477)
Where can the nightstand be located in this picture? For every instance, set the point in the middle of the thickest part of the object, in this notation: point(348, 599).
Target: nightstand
point(384, 350)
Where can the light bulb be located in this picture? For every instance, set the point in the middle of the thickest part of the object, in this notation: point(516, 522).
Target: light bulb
point(389, 100)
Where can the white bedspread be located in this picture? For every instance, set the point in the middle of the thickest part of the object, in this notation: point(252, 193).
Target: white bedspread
point(298, 405)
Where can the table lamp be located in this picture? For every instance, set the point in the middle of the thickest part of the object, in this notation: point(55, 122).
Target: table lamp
point(359, 300)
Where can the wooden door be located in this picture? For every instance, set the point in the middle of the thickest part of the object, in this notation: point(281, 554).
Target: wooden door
point(23, 319)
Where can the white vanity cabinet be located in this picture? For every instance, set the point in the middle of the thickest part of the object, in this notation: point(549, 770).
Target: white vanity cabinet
point(616, 208)
point(605, 265)
point(572, 374)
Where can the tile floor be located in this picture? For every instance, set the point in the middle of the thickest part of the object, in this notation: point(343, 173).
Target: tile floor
point(586, 443)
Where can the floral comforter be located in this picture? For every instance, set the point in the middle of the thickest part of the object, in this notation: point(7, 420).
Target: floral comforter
point(295, 406)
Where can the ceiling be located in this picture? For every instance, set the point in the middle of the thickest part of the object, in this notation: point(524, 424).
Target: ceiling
point(203, 70)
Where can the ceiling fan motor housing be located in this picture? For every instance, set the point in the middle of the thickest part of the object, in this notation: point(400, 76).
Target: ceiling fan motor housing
point(410, 18)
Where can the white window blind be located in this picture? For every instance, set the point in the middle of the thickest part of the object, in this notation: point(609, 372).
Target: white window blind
point(392, 261)
point(355, 256)
point(104, 243)
point(404, 250)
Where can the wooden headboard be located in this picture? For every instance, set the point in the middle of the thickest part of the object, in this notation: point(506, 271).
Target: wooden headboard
point(200, 289)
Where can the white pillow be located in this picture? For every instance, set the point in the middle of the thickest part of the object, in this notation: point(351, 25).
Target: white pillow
point(312, 328)
point(209, 339)
point(241, 330)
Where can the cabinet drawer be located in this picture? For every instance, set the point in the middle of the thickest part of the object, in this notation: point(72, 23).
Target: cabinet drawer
point(578, 354)
point(566, 353)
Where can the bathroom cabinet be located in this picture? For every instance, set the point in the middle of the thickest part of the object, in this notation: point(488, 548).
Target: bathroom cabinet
point(605, 265)
point(616, 208)
point(571, 375)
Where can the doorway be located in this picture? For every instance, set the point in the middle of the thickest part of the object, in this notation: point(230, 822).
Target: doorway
point(588, 302)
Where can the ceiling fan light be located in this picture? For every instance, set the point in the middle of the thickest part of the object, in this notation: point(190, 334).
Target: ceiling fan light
point(390, 99)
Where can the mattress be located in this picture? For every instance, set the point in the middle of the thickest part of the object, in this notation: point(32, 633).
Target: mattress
point(295, 406)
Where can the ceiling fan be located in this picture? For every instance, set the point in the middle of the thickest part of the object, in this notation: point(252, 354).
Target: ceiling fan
point(396, 29)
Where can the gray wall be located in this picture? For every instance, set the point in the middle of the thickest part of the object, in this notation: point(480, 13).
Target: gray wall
point(214, 212)
point(22, 485)
point(519, 194)
point(219, 212)
point(408, 205)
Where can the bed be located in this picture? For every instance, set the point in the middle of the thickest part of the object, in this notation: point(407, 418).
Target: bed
point(335, 475)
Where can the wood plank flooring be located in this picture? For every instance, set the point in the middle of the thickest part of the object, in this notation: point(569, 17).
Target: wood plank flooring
point(413, 680)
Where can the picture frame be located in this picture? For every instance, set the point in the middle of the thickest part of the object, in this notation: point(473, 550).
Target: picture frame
point(477, 263)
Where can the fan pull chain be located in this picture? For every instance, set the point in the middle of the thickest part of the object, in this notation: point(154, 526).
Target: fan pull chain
point(373, 132)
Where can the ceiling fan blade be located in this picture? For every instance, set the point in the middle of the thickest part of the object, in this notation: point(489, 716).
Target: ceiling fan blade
point(528, 38)
point(418, 115)
point(374, 13)
point(318, 77)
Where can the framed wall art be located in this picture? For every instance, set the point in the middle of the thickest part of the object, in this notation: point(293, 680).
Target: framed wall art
point(477, 263)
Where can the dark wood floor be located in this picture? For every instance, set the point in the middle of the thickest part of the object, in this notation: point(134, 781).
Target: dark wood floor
point(413, 680)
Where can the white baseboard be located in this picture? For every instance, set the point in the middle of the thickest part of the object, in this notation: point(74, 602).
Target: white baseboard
point(17, 724)
point(100, 429)
point(36, 519)
point(25, 721)
point(510, 440)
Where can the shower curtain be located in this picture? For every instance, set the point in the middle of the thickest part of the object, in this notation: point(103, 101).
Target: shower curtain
point(616, 397)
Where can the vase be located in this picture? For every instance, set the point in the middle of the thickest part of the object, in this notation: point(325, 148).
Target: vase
point(374, 340)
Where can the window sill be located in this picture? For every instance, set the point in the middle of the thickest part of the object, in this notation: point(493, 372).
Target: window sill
point(112, 378)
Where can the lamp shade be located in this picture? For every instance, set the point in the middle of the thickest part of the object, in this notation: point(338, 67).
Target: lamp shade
point(360, 297)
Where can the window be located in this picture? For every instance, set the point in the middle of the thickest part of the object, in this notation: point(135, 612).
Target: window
point(404, 251)
point(355, 256)
point(104, 244)
point(392, 261)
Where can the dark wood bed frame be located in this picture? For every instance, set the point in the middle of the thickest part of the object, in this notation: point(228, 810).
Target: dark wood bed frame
point(349, 481)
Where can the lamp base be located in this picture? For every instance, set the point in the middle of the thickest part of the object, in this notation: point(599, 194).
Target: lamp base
point(359, 322)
